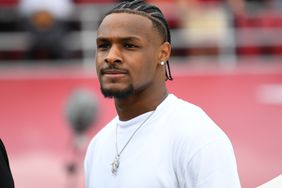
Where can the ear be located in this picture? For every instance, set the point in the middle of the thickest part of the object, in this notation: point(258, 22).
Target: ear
point(165, 51)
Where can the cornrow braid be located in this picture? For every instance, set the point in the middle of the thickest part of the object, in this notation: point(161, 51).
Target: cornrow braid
point(154, 14)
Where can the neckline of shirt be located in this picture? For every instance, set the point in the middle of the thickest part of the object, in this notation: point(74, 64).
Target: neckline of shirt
point(142, 117)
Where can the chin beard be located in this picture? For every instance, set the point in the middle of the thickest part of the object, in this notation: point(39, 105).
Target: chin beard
point(108, 93)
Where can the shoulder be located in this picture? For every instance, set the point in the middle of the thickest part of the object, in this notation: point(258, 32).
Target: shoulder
point(182, 109)
point(3, 153)
point(201, 148)
point(188, 116)
point(5, 171)
point(104, 134)
point(191, 126)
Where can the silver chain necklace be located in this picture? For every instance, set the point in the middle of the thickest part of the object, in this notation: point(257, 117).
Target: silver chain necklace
point(116, 162)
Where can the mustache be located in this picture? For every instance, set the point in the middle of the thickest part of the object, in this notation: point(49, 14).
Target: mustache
point(113, 69)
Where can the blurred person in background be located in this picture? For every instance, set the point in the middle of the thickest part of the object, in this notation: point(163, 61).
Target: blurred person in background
point(6, 178)
point(156, 140)
point(206, 23)
point(45, 20)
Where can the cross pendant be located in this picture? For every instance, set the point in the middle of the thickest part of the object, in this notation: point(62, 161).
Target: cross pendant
point(115, 165)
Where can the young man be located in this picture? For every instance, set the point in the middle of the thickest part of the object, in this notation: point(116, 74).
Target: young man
point(157, 140)
point(6, 178)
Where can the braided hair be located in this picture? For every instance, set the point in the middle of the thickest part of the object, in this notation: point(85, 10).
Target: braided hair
point(151, 12)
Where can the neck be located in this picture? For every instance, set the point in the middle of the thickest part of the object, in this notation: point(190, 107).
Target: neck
point(138, 104)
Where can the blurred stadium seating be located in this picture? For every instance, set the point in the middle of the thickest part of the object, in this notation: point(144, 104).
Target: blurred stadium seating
point(254, 35)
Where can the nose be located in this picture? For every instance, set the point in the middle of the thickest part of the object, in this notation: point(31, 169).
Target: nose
point(113, 56)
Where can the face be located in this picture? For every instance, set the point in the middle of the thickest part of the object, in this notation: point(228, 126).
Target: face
point(129, 50)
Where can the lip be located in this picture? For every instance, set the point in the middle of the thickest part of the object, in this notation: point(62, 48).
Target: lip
point(113, 72)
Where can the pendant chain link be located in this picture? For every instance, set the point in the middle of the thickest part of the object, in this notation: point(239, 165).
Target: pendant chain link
point(116, 161)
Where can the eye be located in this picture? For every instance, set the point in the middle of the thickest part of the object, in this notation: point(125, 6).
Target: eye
point(130, 46)
point(103, 46)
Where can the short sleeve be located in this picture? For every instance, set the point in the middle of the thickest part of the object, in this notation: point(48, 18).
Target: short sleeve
point(213, 166)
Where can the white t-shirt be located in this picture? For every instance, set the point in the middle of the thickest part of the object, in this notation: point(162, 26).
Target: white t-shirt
point(179, 146)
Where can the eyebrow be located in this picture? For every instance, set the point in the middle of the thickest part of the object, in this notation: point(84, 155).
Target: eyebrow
point(128, 38)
